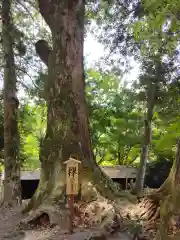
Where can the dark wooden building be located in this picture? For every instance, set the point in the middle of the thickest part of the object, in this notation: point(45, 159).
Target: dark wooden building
point(119, 174)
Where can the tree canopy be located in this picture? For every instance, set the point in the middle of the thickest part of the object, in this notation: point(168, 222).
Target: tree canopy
point(116, 111)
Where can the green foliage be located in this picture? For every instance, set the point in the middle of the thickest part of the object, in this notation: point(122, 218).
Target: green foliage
point(116, 123)
point(114, 118)
point(160, 26)
point(115, 112)
point(32, 129)
point(165, 141)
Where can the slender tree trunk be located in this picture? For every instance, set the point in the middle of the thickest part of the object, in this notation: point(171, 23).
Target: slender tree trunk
point(147, 139)
point(1, 136)
point(67, 118)
point(119, 157)
point(12, 191)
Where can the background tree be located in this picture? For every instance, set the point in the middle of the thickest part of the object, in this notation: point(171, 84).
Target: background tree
point(122, 37)
point(12, 193)
point(157, 17)
point(153, 77)
point(114, 118)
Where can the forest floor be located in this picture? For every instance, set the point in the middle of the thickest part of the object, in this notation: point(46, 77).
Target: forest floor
point(11, 217)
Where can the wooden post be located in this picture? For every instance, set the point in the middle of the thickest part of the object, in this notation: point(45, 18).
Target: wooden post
point(72, 186)
point(126, 182)
point(71, 212)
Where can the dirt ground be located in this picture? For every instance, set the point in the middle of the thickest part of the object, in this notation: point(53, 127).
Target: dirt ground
point(10, 219)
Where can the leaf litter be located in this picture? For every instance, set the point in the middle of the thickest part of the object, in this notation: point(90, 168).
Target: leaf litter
point(11, 217)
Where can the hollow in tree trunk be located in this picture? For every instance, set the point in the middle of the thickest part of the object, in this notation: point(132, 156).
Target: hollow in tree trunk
point(12, 192)
point(67, 131)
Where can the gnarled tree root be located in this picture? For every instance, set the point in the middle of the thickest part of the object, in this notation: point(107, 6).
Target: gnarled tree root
point(100, 213)
point(150, 205)
point(150, 209)
point(45, 214)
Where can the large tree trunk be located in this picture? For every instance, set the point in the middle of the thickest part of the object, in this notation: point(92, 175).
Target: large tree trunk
point(12, 192)
point(163, 204)
point(147, 139)
point(170, 207)
point(67, 119)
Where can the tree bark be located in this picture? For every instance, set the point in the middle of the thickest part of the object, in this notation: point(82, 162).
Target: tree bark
point(67, 131)
point(163, 202)
point(12, 190)
point(147, 139)
point(169, 207)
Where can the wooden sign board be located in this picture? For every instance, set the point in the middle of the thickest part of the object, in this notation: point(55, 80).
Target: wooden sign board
point(72, 176)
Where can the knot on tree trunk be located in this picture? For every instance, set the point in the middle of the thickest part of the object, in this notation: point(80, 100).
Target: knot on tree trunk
point(43, 50)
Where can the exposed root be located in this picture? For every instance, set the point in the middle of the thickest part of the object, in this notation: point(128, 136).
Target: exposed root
point(100, 213)
point(44, 215)
point(150, 208)
point(150, 214)
point(153, 223)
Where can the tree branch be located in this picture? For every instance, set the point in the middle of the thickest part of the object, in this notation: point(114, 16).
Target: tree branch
point(46, 10)
point(43, 50)
point(101, 160)
point(25, 8)
point(22, 83)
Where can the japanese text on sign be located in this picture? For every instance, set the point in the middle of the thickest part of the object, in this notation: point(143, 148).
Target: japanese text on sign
point(72, 176)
